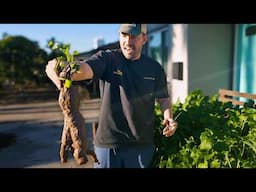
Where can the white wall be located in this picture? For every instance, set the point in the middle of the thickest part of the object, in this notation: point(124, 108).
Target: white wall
point(178, 53)
point(210, 53)
point(206, 51)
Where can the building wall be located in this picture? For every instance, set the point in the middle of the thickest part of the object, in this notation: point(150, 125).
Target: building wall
point(205, 52)
point(245, 59)
point(176, 50)
point(178, 56)
point(210, 57)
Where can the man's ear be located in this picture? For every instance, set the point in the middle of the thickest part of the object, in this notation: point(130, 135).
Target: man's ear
point(145, 39)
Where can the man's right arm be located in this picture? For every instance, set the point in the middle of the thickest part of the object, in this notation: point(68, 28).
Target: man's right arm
point(84, 73)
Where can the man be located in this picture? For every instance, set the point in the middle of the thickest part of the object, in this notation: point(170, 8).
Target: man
point(130, 83)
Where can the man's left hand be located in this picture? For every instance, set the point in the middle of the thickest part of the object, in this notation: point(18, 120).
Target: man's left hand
point(170, 127)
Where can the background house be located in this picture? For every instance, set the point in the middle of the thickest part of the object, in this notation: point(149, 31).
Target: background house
point(202, 56)
point(205, 56)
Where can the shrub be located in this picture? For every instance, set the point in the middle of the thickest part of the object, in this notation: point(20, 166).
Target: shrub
point(210, 134)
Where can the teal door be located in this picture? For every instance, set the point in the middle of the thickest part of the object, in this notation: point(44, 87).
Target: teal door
point(245, 59)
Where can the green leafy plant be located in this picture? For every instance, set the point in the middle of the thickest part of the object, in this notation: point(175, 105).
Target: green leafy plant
point(66, 64)
point(210, 134)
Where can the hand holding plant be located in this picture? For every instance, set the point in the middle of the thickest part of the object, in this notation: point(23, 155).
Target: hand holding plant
point(66, 64)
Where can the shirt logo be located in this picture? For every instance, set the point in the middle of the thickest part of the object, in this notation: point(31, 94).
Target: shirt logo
point(149, 78)
point(118, 72)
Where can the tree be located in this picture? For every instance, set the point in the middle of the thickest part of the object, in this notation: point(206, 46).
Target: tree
point(22, 61)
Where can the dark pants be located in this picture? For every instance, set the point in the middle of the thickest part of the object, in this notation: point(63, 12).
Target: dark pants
point(124, 157)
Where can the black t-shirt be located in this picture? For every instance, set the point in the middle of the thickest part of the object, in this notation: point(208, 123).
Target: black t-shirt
point(128, 93)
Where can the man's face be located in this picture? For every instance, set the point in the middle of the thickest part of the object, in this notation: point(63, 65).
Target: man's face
point(131, 45)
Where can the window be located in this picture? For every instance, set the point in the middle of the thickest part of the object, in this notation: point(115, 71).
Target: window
point(158, 47)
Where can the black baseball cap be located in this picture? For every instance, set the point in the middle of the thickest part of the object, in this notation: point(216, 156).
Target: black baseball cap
point(133, 29)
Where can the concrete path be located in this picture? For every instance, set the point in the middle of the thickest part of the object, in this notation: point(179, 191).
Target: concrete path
point(38, 128)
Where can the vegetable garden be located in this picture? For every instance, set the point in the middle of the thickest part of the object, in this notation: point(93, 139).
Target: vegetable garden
point(210, 134)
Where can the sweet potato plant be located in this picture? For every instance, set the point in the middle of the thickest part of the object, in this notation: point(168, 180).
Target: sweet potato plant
point(210, 134)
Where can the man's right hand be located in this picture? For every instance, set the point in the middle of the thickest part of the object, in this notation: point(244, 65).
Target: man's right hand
point(50, 71)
